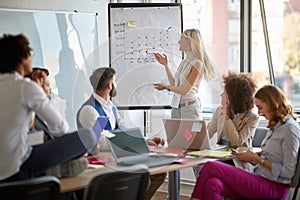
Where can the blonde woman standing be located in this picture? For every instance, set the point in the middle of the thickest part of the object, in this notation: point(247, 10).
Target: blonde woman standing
point(196, 66)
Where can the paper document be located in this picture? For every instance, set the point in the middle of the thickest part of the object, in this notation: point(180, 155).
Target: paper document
point(93, 166)
point(211, 153)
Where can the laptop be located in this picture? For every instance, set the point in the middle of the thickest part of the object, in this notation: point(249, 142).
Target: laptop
point(129, 147)
point(187, 134)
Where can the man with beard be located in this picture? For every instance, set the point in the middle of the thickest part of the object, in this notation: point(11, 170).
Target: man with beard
point(99, 104)
point(99, 107)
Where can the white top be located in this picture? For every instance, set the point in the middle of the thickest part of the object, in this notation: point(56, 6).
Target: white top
point(19, 98)
point(88, 114)
point(181, 74)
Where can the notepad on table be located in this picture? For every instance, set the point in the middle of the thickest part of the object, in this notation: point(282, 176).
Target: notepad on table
point(211, 153)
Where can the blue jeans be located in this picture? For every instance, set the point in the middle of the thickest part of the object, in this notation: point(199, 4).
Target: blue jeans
point(55, 152)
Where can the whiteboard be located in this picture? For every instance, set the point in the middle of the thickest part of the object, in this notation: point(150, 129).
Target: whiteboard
point(64, 43)
point(136, 31)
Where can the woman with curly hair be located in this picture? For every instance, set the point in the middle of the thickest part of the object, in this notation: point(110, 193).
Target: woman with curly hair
point(234, 122)
point(274, 168)
point(240, 120)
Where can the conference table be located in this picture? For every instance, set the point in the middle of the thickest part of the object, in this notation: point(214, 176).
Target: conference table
point(81, 181)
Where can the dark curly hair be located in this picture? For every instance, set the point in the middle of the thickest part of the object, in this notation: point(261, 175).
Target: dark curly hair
point(278, 105)
point(240, 89)
point(13, 49)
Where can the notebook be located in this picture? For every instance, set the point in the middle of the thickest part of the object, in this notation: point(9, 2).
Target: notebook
point(128, 147)
point(212, 154)
point(187, 134)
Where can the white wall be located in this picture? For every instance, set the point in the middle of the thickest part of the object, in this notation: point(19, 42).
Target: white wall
point(89, 6)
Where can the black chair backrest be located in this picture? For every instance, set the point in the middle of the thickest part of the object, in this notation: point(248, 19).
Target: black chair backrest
point(295, 183)
point(130, 183)
point(260, 134)
point(296, 178)
point(45, 188)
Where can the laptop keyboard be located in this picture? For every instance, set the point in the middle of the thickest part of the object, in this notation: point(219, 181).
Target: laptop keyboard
point(149, 161)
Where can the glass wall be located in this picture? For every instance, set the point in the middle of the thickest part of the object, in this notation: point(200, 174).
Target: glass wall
point(283, 26)
point(219, 23)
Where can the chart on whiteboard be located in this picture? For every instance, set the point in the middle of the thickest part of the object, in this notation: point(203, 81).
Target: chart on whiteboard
point(139, 45)
point(135, 35)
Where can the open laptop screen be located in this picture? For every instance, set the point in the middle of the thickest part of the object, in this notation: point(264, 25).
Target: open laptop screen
point(128, 142)
point(187, 134)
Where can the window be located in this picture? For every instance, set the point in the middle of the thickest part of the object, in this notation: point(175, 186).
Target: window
point(219, 23)
point(282, 20)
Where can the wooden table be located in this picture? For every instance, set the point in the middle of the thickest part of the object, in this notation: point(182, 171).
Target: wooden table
point(82, 180)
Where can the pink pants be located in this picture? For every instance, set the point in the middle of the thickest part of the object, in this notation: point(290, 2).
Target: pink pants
point(217, 179)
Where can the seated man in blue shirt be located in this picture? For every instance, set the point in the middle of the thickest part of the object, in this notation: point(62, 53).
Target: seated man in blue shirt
point(99, 104)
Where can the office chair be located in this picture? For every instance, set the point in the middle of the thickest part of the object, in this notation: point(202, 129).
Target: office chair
point(260, 134)
point(129, 183)
point(296, 179)
point(46, 188)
